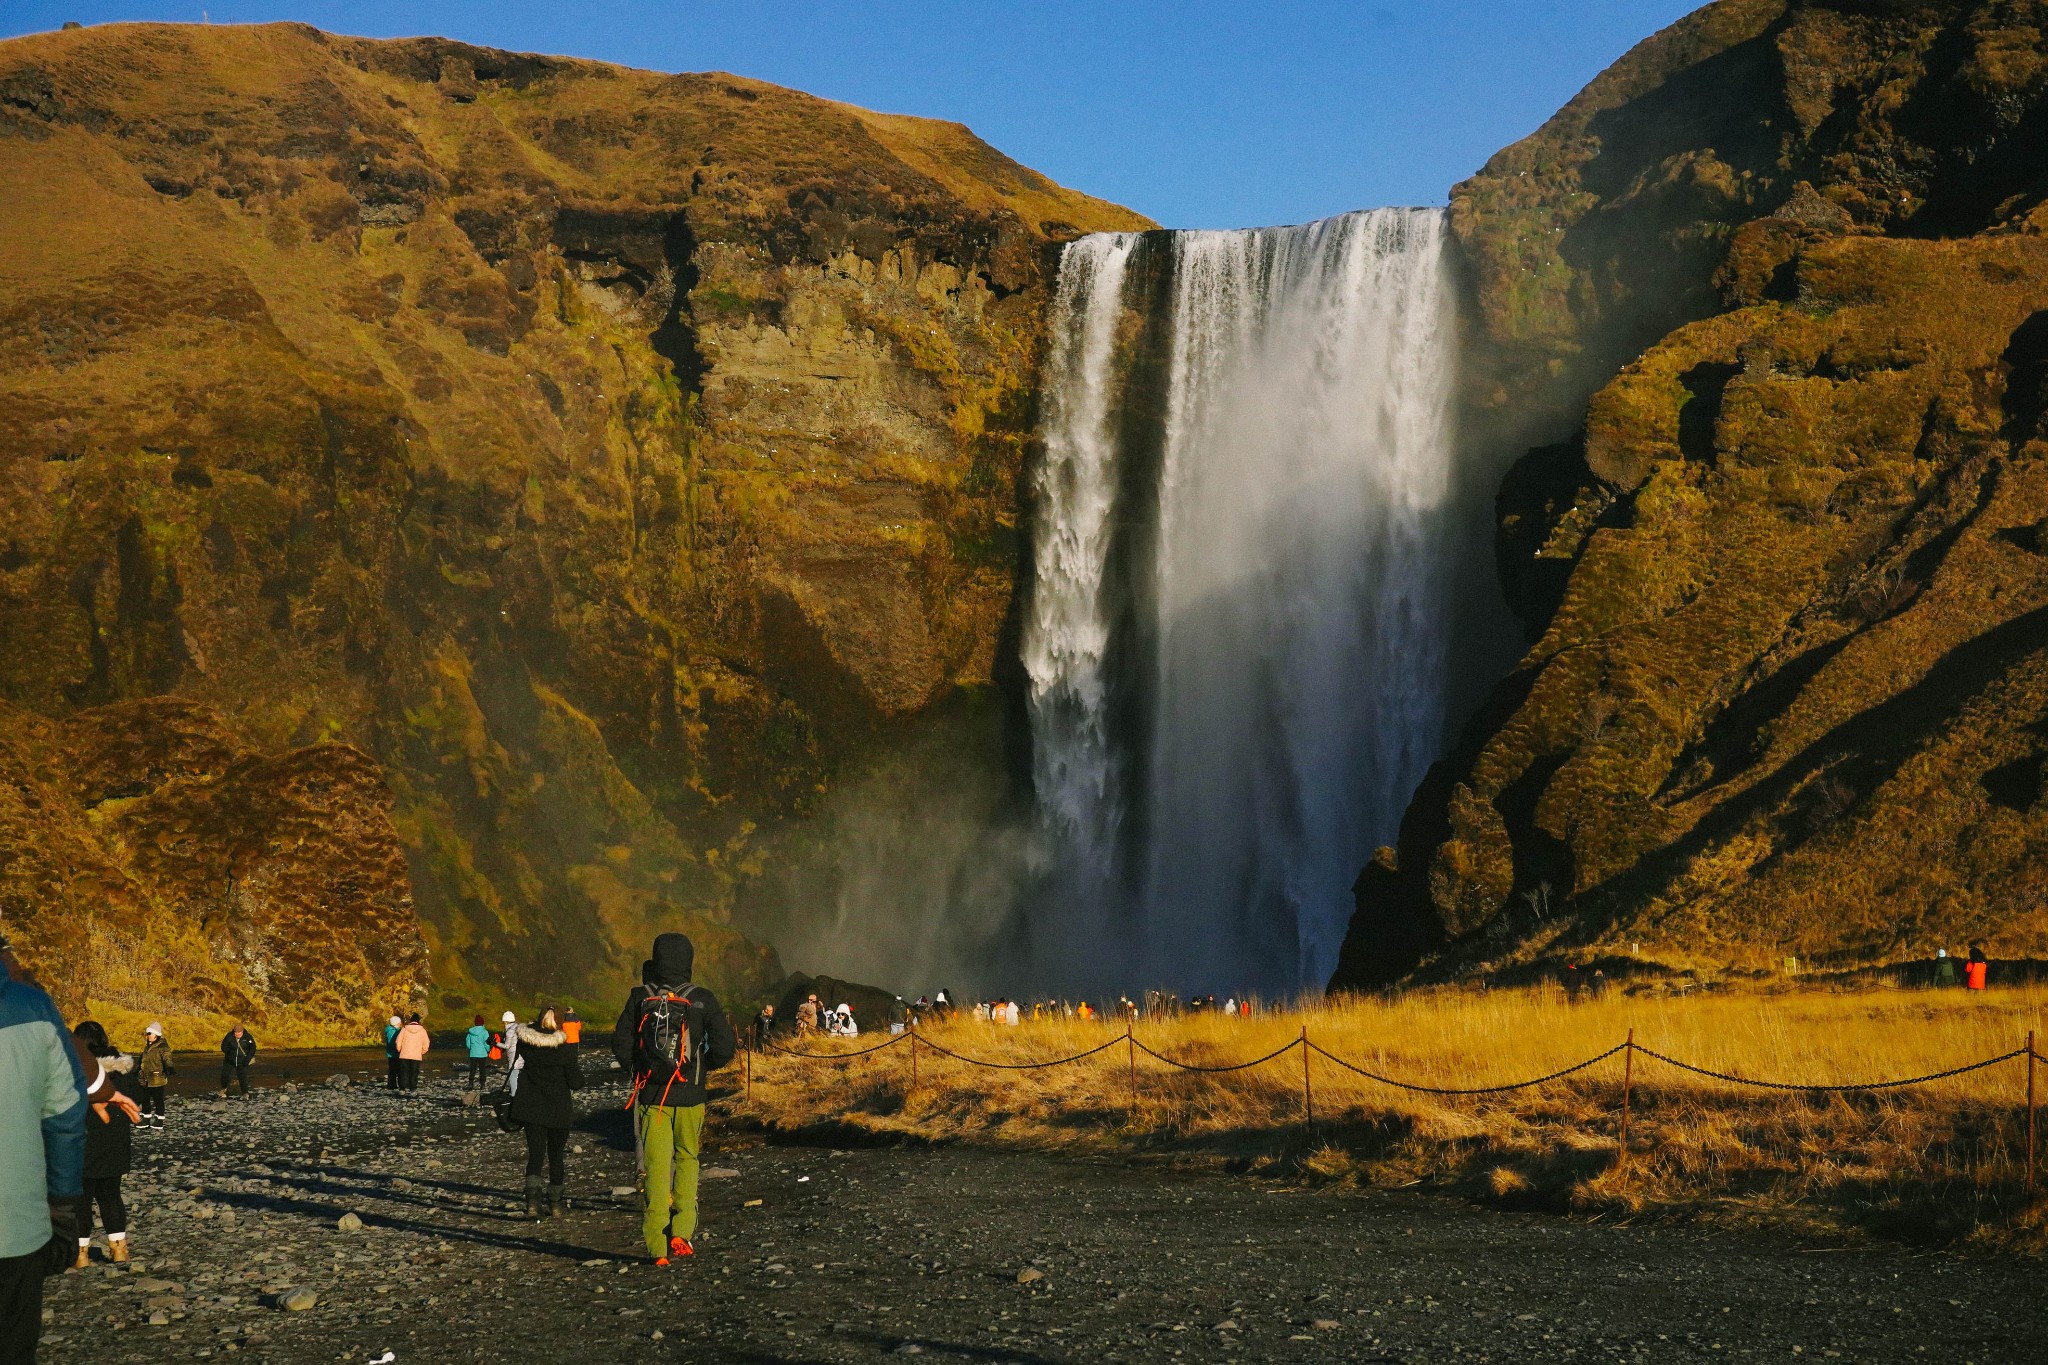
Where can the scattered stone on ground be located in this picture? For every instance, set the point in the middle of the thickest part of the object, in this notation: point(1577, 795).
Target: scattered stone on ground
point(955, 1253)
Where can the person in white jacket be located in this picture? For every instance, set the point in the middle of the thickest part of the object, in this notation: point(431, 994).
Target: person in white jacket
point(511, 1023)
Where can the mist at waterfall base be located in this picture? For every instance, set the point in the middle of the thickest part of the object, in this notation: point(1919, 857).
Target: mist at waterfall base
point(1245, 530)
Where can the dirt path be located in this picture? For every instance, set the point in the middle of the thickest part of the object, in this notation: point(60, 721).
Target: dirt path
point(849, 1256)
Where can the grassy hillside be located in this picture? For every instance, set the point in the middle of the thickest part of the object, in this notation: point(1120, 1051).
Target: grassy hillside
point(605, 454)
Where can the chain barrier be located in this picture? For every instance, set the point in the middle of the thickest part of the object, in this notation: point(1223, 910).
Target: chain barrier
point(1627, 1048)
point(1334, 1059)
point(1832, 1089)
point(842, 1056)
point(1013, 1066)
point(1470, 1089)
point(1213, 1070)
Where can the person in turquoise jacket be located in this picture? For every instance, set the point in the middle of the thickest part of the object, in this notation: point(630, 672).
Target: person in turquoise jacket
point(478, 1042)
point(43, 1100)
point(391, 1053)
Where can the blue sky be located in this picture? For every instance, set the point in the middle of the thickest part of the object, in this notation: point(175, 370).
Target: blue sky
point(1200, 113)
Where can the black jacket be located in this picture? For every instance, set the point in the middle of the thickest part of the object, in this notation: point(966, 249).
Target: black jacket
point(109, 1142)
point(674, 957)
point(548, 1073)
point(238, 1052)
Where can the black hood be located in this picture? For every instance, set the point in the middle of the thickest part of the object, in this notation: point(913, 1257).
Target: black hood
point(673, 958)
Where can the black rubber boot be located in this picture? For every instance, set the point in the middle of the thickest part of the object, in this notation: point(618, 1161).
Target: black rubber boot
point(558, 1200)
point(534, 1185)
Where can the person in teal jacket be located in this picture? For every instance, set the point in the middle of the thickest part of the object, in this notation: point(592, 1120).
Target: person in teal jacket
point(391, 1053)
point(478, 1042)
point(43, 1100)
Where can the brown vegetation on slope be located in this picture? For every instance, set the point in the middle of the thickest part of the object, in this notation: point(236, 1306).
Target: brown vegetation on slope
point(155, 866)
point(1784, 583)
point(607, 453)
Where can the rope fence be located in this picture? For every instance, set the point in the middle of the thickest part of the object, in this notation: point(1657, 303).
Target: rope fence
point(1628, 1049)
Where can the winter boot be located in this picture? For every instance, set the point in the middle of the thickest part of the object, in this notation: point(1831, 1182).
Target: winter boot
point(117, 1247)
point(84, 1256)
point(534, 1185)
point(558, 1201)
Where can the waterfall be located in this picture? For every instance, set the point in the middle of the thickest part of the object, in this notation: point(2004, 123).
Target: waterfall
point(1067, 634)
point(1236, 648)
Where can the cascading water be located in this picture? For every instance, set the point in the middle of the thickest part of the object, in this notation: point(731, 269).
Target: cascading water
point(1068, 634)
point(1237, 638)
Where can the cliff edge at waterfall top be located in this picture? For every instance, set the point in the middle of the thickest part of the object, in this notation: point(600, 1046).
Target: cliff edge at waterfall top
point(453, 503)
point(1766, 306)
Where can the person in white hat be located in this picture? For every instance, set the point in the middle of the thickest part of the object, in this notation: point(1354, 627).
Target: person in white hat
point(153, 1076)
point(511, 1023)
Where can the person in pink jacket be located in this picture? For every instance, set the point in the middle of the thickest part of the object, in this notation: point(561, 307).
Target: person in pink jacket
point(412, 1044)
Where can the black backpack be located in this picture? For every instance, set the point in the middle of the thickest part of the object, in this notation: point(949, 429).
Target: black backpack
point(670, 1034)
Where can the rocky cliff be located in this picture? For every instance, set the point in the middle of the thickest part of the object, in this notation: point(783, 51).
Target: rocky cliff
point(552, 471)
point(1770, 300)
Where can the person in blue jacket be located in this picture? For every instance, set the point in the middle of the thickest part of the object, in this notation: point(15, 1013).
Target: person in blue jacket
point(43, 1102)
point(391, 1028)
point(478, 1043)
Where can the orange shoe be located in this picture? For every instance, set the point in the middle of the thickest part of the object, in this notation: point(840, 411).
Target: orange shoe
point(661, 1260)
point(680, 1246)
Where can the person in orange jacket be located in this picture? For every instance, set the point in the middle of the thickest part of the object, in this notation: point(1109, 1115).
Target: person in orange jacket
point(412, 1044)
point(1977, 968)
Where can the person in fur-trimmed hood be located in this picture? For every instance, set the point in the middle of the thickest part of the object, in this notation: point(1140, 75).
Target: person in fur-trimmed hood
point(546, 1106)
point(671, 1034)
point(109, 1149)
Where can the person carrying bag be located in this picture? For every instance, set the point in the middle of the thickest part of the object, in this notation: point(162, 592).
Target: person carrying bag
point(670, 1036)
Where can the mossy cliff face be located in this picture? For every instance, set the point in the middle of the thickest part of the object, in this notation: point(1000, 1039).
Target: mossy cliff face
point(594, 457)
point(1786, 580)
point(172, 874)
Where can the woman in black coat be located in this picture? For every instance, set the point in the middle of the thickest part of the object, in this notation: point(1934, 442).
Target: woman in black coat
point(109, 1144)
point(544, 1104)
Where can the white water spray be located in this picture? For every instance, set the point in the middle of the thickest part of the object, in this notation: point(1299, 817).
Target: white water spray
point(1067, 634)
point(1286, 688)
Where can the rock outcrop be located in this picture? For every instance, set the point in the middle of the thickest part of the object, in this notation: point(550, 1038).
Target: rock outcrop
point(1783, 573)
point(155, 867)
point(594, 457)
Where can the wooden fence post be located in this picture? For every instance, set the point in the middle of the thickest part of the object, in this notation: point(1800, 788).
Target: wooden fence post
point(1308, 1097)
point(750, 1075)
point(913, 1060)
point(1131, 1055)
point(1628, 1069)
point(2030, 1116)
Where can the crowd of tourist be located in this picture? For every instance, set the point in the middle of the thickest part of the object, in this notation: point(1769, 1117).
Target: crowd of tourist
point(813, 1015)
point(71, 1102)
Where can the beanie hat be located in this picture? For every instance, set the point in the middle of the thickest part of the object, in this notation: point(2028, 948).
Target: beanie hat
point(509, 1018)
point(157, 1029)
point(394, 1021)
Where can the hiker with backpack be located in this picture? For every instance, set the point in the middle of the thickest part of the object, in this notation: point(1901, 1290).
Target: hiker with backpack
point(670, 1036)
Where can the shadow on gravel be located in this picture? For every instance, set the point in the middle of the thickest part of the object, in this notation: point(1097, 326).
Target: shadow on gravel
point(326, 1213)
point(610, 1125)
point(374, 1186)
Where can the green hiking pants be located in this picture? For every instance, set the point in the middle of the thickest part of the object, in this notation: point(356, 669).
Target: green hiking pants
point(670, 1139)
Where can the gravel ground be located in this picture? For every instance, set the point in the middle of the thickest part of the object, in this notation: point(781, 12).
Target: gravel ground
point(813, 1255)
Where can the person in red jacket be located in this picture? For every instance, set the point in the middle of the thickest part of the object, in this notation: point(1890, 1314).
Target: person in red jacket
point(1977, 968)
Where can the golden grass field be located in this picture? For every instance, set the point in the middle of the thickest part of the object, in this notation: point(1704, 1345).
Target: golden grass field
point(1940, 1162)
